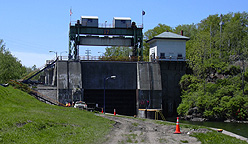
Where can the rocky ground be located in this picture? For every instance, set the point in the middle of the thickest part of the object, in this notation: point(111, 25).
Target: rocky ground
point(134, 130)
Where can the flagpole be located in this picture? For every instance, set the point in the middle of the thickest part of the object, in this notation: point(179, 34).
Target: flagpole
point(70, 15)
point(142, 18)
point(143, 13)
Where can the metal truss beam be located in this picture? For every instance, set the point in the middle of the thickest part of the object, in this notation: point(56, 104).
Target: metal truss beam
point(82, 35)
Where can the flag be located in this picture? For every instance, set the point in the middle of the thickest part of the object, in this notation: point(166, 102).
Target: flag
point(143, 12)
point(70, 12)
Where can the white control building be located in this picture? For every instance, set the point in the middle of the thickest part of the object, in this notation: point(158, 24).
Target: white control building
point(168, 46)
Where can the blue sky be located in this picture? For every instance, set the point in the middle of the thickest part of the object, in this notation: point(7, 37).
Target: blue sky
point(31, 28)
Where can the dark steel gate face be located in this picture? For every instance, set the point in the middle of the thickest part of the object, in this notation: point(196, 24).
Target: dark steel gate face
point(124, 101)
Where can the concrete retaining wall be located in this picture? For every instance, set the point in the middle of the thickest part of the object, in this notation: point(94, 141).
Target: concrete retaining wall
point(171, 73)
point(149, 85)
point(155, 82)
point(48, 91)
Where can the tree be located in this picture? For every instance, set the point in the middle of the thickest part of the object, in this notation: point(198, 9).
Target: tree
point(10, 67)
point(117, 51)
point(160, 28)
point(189, 30)
point(214, 54)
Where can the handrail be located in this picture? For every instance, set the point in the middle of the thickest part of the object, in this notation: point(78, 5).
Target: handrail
point(43, 66)
point(47, 66)
point(41, 95)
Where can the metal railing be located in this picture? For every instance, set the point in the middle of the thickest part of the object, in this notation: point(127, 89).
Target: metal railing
point(103, 58)
point(169, 58)
point(107, 25)
point(37, 94)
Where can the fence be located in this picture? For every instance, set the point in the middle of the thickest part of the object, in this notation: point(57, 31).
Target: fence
point(103, 58)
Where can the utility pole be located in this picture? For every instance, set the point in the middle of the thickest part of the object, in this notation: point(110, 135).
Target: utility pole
point(243, 86)
point(88, 53)
point(221, 23)
point(210, 41)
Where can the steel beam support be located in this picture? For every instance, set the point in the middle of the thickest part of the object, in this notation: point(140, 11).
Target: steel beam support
point(78, 33)
point(103, 31)
point(105, 41)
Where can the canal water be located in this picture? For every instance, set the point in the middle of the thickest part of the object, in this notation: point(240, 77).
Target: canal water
point(237, 128)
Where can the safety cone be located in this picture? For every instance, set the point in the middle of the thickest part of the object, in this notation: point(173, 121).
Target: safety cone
point(177, 127)
point(102, 110)
point(114, 112)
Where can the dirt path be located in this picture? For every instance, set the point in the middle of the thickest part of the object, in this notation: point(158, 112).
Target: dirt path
point(128, 130)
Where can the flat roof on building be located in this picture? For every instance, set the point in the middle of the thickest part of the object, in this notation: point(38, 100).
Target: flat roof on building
point(122, 18)
point(90, 17)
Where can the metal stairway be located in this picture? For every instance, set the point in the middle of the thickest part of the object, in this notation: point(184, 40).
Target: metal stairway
point(27, 79)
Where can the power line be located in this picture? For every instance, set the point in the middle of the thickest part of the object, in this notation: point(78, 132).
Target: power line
point(15, 41)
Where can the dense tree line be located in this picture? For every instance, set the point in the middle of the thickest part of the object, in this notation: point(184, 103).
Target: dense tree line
point(217, 88)
point(10, 67)
point(217, 56)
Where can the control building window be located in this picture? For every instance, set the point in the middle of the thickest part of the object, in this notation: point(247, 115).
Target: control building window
point(123, 21)
point(179, 56)
point(162, 55)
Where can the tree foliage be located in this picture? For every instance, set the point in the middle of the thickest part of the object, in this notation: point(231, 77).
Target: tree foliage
point(160, 28)
point(10, 66)
point(218, 60)
point(117, 51)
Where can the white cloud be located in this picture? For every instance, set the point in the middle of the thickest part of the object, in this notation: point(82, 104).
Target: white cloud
point(29, 59)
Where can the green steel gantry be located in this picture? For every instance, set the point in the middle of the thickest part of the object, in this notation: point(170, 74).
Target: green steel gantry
point(98, 36)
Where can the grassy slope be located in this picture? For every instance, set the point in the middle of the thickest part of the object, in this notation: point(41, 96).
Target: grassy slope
point(212, 137)
point(27, 120)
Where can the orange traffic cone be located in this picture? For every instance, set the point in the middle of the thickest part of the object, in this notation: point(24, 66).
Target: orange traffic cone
point(177, 127)
point(102, 110)
point(114, 112)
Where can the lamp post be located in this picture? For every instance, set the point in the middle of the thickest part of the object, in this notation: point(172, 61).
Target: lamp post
point(105, 79)
point(105, 23)
point(61, 54)
point(55, 53)
point(101, 52)
point(101, 55)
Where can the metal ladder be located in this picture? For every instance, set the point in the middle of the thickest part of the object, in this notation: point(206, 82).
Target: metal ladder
point(160, 113)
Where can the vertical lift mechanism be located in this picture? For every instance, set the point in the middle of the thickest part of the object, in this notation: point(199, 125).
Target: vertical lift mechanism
point(79, 34)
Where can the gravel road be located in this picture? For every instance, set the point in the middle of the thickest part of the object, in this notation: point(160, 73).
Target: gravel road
point(130, 130)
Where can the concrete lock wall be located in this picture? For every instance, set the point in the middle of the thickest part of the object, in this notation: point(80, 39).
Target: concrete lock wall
point(83, 81)
point(48, 91)
point(135, 83)
point(49, 76)
point(171, 73)
point(69, 81)
point(149, 85)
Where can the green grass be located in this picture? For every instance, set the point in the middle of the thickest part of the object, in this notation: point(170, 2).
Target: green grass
point(162, 140)
point(216, 137)
point(135, 124)
point(184, 141)
point(24, 119)
point(27, 120)
point(131, 137)
point(181, 125)
point(211, 137)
